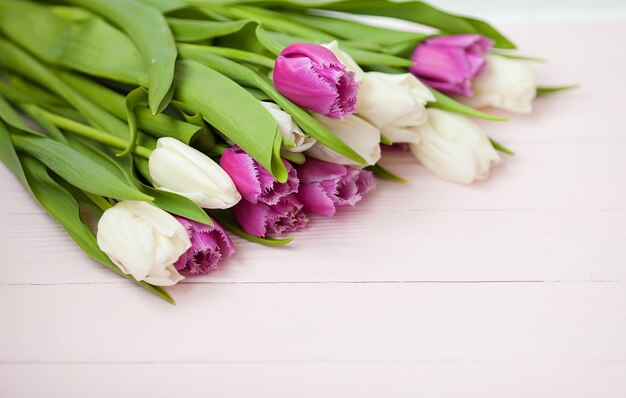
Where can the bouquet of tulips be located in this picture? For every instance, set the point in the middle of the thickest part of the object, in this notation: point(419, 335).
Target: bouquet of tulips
point(174, 121)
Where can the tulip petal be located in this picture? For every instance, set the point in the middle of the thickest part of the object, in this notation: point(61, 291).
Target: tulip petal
point(244, 172)
point(209, 245)
point(316, 200)
point(312, 77)
point(286, 216)
point(252, 217)
point(448, 63)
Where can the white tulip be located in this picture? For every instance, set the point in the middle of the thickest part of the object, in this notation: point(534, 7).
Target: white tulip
point(506, 84)
point(143, 241)
point(396, 104)
point(454, 148)
point(179, 168)
point(354, 131)
point(345, 59)
point(289, 129)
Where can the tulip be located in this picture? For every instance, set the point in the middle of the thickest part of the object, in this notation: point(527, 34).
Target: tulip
point(454, 148)
point(506, 84)
point(345, 59)
point(264, 220)
point(312, 77)
point(289, 130)
point(449, 63)
point(143, 241)
point(179, 168)
point(354, 131)
point(326, 186)
point(396, 104)
point(209, 245)
point(254, 182)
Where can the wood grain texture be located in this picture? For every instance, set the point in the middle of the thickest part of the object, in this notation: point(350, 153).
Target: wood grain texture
point(513, 287)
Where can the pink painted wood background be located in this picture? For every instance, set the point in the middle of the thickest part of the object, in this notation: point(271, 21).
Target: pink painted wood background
point(515, 287)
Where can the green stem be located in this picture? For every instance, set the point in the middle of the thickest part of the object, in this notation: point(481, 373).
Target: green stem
point(231, 53)
point(75, 127)
point(219, 149)
point(101, 202)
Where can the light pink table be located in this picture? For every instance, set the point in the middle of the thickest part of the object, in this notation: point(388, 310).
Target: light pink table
point(510, 288)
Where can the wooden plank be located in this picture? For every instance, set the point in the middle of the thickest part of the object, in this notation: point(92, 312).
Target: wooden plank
point(577, 323)
point(371, 243)
point(441, 379)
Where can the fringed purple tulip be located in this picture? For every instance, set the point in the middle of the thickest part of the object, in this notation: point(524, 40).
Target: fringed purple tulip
point(209, 245)
point(312, 77)
point(325, 186)
point(254, 183)
point(263, 220)
point(449, 63)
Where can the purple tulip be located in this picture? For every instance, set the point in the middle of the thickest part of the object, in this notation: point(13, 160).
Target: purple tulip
point(449, 63)
point(263, 220)
point(312, 77)
point(209, 245)
point(254, 183)
point(325, 186)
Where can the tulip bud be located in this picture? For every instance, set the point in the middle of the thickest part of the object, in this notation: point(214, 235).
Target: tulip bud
point(143, 241)
point(506, 84)
point(449, 63)
point(289, 130)
point(312, 77)
point(209, 245)
point(396, 104)
point(354, 131)
point(179, 168)
point(264, 220)
point(254, 182)
point(326, 186)
point(454, 148)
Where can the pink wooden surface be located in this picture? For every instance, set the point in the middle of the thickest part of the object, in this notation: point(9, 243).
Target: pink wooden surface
point(511, 287)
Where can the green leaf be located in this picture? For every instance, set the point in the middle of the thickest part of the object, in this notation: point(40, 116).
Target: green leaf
point(12, 118)
point(148, 29)
point(16, 89)
point(232, 53)
point(384, 174)
point(233, 111)
point(78, 169)
point(38, 116)
point(414, 11)
point(518, 56)
point(9, 156)
point(22, 63)
point(448, 104)
point(499, 147)
point(62, 206)
point(352, 30)
point(226, 220)
point(365, 57)
point(135, 98)
point(165, 6)
point(160, 125)
point(278, 41)
point(90, 45)
point(189, 30)
point(294, 157)
point(277, 22)
point(556, 89)
point(247, 77)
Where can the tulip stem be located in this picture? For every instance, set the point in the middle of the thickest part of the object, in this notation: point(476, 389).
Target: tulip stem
point(231, 53)
point(75, 127)
point(101, 202)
